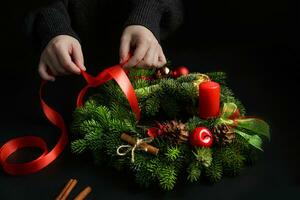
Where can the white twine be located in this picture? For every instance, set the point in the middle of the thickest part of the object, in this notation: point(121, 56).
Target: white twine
point(133, 148)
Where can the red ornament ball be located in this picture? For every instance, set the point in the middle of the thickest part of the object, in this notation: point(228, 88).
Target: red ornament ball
point(201, 137)
point(180, 71)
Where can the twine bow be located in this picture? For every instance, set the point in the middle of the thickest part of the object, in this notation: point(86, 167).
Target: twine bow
point(248, 127)
point(136, 146)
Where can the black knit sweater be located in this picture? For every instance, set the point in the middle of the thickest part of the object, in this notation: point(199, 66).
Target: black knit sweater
point(88, 19)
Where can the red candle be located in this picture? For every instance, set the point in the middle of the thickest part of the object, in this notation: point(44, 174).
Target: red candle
point(209, 99)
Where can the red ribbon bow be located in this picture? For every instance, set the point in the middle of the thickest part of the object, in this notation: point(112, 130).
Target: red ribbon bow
point(115, 72)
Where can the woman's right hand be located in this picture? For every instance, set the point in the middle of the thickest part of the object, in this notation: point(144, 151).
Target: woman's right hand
point(61, 56)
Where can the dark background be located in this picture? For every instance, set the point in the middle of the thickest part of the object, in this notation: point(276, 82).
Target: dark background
point(255, 42)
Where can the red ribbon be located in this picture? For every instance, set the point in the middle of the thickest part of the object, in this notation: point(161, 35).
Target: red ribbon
point(119, 75)
point(116, 72)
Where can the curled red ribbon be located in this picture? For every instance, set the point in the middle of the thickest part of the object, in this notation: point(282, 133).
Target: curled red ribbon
point(116, 72)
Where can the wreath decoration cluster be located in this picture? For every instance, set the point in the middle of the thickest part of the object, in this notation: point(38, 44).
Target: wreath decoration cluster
point(191, 126)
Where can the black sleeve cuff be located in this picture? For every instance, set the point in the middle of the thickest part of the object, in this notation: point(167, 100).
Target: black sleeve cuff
point(147, 13)
point(51, 22)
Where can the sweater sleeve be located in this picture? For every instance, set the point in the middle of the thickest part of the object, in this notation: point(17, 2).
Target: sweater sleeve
point(48, 22)
point(160, 16)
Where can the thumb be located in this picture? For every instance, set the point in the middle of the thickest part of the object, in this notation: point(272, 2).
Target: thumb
point(124, 48)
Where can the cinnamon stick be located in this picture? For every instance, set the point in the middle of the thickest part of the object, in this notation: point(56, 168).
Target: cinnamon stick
point(83, 193)
point(64, 189)
point(144, 146)
point(68, 189)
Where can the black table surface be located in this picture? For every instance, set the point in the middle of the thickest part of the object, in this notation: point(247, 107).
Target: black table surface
point(253, 76)
point(261, 71)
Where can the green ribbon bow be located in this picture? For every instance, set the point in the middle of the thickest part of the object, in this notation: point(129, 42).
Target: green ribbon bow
point(250, 128)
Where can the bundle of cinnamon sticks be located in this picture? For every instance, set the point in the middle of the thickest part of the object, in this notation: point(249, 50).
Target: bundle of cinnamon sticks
point(68, 189)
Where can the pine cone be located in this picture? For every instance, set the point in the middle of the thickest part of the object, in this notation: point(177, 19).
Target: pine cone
point(175, 131)
point(223, 134)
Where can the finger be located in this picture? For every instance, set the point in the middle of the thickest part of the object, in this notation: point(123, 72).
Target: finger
point(77, 56)
point(54, 64)
point(43, 72)
point(161, 58)
point(150, 58)
point(138, 54)
point(124, 48)
point(52, 69)
point(157, 62)
point(67, 63)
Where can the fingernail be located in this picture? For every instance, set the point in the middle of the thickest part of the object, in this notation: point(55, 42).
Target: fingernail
point(83, 68)
point(121, 60)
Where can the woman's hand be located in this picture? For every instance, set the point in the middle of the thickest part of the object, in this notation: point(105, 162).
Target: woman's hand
point(147, 52)
point(61, 56)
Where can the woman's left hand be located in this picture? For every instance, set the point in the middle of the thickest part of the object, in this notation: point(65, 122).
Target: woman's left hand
point(147, 51)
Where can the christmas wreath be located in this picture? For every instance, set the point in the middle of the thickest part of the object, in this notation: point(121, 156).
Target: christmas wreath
point(191, 126)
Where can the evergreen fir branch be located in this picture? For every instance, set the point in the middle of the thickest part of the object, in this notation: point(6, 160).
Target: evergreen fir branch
point(94, 140)
point(139, 71)
point(162, 144)
point(143, 168)
point(231, 159)
point(170, 86)
point(114, 93)
point(248, 151)
point(188, 92)
point(122, 112)
point(214, 172)
point(78, 146)
point(112, 142)
point(100, 114)
point(144, 178)
point(111, 145)
point(219, 77)
point(99, 98)
point(140, 83)
point(226, 94)
point(118, 126)
point(81, 114)
point(193, 123)
point(170, 107)
point(89, 126)
point(241, 107)
point(203, 156)
point(153, 166)
point(194, 171)
point(241, 144)
point(139, 163)
point(103, 115)
point(173, 153)
point(188, 78)
point(146, 92)
point(167, 177)
point(152, 106)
